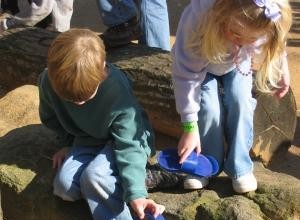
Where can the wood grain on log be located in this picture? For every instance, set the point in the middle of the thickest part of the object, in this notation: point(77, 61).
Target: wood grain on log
point(23, 54)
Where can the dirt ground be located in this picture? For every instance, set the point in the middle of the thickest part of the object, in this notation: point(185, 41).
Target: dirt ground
point(86, 14)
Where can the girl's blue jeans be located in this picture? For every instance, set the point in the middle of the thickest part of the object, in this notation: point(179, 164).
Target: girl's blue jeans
point(226, 116)
point(153, 14)
point(90, 173)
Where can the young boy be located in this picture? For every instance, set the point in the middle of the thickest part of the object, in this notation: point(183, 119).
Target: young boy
point(91, 107)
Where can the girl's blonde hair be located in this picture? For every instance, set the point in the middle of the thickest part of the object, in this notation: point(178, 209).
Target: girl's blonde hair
point(213, 45)
point(76, 60)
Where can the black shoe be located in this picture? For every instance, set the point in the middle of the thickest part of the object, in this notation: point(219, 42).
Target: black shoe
point(122, 34)
point(157, 178)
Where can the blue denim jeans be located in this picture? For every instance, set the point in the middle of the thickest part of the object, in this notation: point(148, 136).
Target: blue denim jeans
point(155, 24)
point(90, 173)
point(226, 116)
point(114, 12)
point(153, 14)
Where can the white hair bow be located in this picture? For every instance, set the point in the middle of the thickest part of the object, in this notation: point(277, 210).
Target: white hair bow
point(272, 10)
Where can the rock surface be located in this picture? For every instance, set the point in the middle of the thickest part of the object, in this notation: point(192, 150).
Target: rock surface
point(23, 179)
point(26, 178)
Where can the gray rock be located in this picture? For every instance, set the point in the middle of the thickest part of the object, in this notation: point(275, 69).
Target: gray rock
point(26, 178)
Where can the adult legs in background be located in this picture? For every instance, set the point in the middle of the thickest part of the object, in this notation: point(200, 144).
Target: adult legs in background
point(37, 13)
point(121, 20)
point(155, 24)
point(61, 15)
point(10, 6)
point(46, 22)
point(143, 20)
point(116, 12)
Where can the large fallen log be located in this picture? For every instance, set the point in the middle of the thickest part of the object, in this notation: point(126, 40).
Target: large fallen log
point(23, 56)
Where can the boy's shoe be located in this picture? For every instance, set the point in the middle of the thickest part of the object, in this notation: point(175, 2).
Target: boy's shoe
point(244, 183)
point(195, 182)
point(122, 34)
point(157, 178)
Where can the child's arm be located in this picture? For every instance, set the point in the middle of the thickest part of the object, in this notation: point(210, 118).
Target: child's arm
point(141, 205)
point(188, 142)
point(188, 74)
point(48, 116)
point(130, 153)
point(188, 69)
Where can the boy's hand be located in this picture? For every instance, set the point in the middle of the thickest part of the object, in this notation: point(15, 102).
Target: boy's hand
point(140, 205)
point(59, 156)
point(188, 142)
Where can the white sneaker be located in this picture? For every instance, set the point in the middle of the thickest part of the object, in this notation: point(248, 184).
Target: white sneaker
point(244, 183)
point(194, 182)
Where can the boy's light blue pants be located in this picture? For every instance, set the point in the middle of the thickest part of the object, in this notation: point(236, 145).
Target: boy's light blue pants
point(90, 173)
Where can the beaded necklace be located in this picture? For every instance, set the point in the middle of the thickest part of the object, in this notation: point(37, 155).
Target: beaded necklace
point(238, 69)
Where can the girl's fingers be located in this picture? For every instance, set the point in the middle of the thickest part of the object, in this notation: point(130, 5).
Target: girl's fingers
point(180, 151)
point(198, 150)
point(159, 209)
point(185, 155)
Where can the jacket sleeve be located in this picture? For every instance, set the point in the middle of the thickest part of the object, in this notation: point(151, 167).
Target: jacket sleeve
point(131, 151)
point(188, 69)
point(49, 118)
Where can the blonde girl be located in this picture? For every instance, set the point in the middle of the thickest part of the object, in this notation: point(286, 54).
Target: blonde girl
point(216, 43)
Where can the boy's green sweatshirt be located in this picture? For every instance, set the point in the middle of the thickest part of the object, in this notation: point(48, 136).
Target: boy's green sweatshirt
point(113, 116)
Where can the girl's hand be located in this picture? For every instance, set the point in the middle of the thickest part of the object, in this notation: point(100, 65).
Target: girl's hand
point(139, 206)
point(59, 156)
point(188, 142)
point(285, 84)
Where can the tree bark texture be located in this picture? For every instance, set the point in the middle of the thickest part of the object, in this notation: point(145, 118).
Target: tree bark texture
point(23, 54)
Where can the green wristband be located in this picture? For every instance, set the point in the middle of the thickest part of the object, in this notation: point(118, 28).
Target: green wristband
point(189, 127)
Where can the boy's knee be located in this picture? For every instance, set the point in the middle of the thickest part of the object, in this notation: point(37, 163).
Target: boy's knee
point(90, 177)
point(92, 180)
point(63, 195)
point(62, 187)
